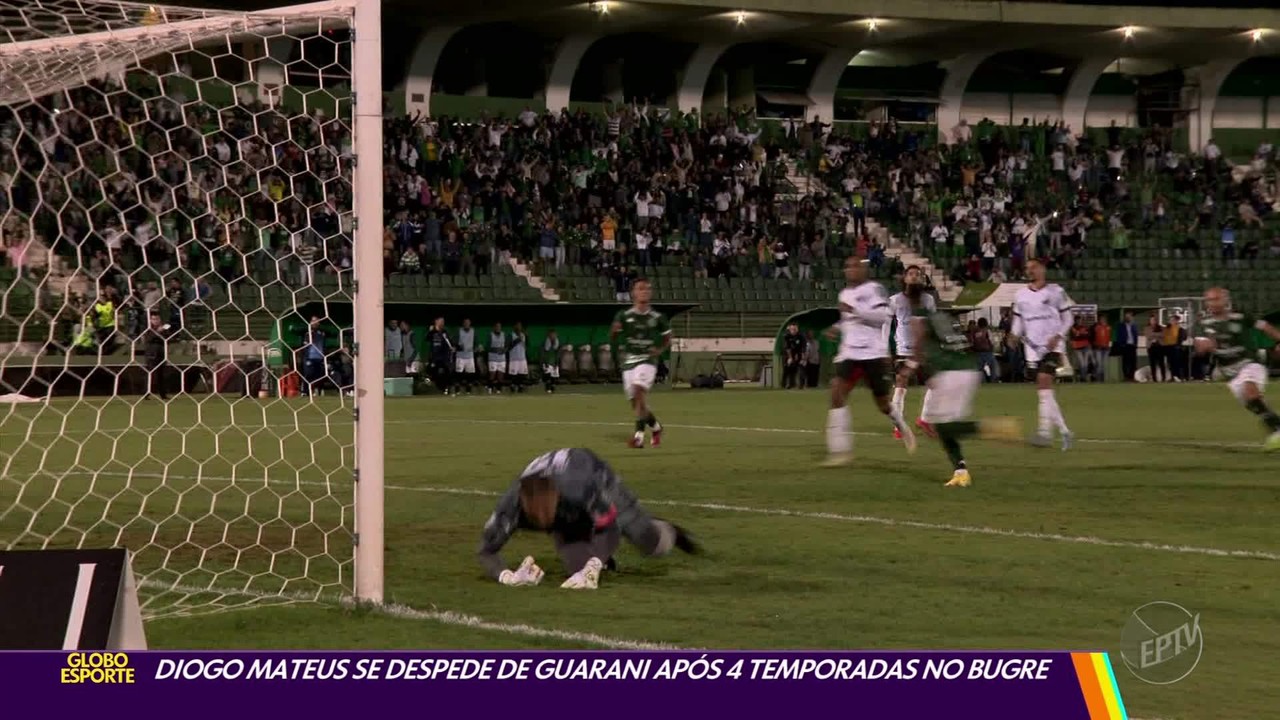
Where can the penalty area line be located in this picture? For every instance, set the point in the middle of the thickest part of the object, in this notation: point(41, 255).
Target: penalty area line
point(748, 510)
point(401, 611)
point(912, 524)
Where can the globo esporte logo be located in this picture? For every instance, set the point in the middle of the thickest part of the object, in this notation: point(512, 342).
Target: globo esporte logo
point(97, 668)
point(1161, 642)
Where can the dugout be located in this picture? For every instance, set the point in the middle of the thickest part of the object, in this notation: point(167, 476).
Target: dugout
point(580, 326)
point(816, 320)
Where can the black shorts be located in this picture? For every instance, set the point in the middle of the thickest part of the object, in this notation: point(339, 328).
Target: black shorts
point(900, 366)
point(1048, 365)
point(878, 374)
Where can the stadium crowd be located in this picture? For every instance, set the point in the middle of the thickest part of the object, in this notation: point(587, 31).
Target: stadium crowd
point(129, 186)
point(993, 197)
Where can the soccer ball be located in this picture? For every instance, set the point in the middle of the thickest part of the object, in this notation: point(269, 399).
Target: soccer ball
point(1005, 429)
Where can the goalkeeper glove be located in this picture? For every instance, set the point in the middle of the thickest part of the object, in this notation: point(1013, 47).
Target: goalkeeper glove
point(527, 574)
point(588, 578)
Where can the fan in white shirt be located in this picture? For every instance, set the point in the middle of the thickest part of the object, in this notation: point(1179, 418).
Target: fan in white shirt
point(642, 205)
point(863, 355)
point(1042, 318)
point(939, 234)
point(496, 132)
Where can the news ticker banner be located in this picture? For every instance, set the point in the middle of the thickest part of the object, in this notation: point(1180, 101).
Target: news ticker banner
point(1015, 685)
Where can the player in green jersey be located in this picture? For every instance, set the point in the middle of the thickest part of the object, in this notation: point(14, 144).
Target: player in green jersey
point(942, 354)
point(640, 335)
point(1232, 337)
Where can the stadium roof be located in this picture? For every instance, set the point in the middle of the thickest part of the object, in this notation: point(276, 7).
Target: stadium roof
point(897, 32)
point(902, 32)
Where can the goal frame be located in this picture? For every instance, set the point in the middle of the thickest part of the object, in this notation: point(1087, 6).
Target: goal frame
point(367, 299)
point(364, 19)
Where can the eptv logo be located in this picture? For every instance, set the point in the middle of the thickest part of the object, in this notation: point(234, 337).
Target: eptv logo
point(1161, 643)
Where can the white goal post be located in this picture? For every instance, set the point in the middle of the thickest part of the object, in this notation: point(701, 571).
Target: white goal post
point(191, 295)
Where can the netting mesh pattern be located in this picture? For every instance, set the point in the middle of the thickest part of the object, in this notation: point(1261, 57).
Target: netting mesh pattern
point(175, 212)
point(36, 19)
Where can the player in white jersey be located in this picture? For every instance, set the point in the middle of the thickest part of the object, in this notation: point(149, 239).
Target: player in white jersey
point(903, 308)
point(863, 354)
point(1042, 318)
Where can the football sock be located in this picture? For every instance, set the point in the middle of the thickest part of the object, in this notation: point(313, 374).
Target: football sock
point(838, 439)
point(652, 421)
point(1045, 412)
point(895, 414)
point(928, 394)
point(949, 434)
point(640, 425)
point(899, 402)
point(1058, 420)
point(1258, 407)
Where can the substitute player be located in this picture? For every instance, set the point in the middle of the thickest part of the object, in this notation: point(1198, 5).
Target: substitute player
point(863, 354)
point(441, 359)
point(577, 498)
point(1042, 318)
point(943, 356)
point(497, 357)
point(550, 360)
point(1230, 336)
point(904, 306)
point(645, 336)
point(465, 357)
point(518, 359)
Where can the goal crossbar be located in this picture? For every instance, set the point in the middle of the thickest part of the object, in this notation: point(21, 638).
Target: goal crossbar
point(34, 68)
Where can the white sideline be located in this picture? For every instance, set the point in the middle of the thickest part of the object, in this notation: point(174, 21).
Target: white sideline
point(446, 617)
point(1193, 444)
point(774, 512)
point(405, 612)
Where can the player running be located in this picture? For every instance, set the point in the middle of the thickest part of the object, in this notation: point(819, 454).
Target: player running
point(646, 334)
point(863, 353)
point(904, 308)
point(1042, 317)
point(577, 498)
point(942, 355)
point(1230, 336)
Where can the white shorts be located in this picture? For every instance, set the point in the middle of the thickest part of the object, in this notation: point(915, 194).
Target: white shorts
point(951, 396)
point(517, 367)
point(551, 371)
point(497, 365)
point(464, 366)
point(1250, 373)
point(640, 376)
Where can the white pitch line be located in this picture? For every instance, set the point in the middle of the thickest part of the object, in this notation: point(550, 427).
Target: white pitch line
point(771, 512)
point(288, 428)
point(405, 612)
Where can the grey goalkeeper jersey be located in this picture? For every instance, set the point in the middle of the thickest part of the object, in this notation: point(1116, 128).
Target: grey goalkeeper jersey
point(592, 497)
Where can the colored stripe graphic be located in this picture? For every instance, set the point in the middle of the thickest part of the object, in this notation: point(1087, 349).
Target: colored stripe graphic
point(1110, 688)
point(1098, 685)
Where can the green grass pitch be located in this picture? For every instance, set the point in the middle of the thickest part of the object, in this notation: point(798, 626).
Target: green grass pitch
point(1165, 497)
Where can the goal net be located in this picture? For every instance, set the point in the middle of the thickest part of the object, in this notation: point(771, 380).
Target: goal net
point(176, 295)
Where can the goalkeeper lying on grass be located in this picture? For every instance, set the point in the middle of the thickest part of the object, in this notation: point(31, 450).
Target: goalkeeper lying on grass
point(577, 498)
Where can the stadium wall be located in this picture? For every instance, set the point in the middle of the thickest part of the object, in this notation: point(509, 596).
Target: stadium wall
point(576, 324)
